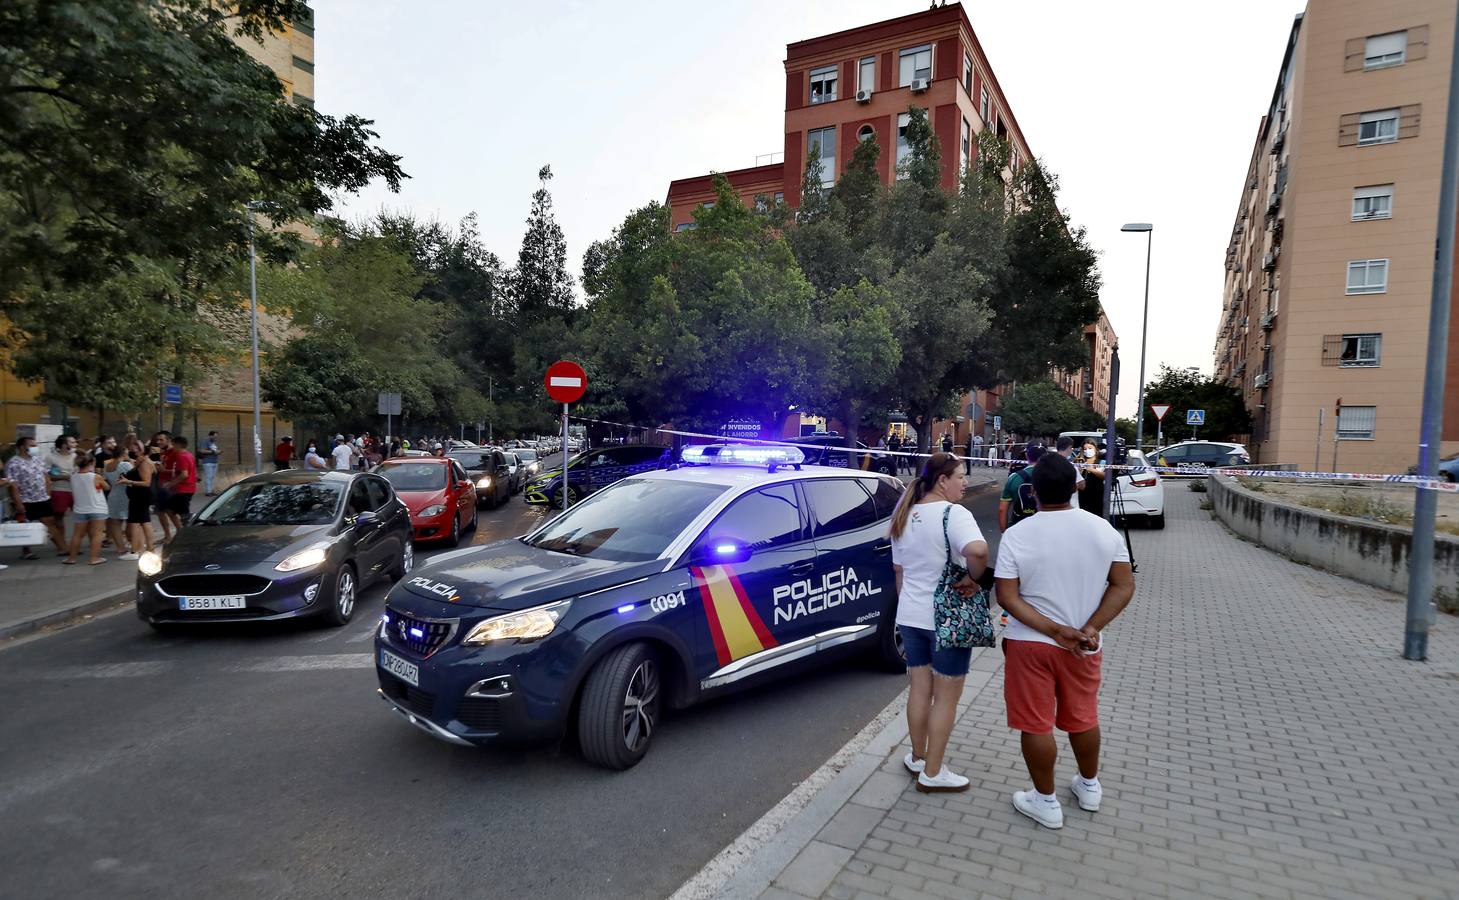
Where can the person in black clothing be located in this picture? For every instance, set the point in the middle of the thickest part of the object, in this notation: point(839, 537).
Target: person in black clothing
point(895, 445)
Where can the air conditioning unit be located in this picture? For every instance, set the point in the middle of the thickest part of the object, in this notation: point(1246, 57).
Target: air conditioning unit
point(1269, 261)
point(863, 96)
point(919, 85)
point(1266, 321)
point(1262, 381)
point(1274, 201)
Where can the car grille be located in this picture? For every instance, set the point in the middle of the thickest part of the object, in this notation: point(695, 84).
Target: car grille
point(203, 615)
point(480, 714)
point(213, 585)
point(422, 703)
point(420, 636)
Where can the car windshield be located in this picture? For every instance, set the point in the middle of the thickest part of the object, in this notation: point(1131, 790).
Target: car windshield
point(634, 520)
point(275, 503)
point(416, 476)
point(527, 455)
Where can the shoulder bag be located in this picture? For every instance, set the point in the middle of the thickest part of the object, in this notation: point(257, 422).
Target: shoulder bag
point(960, 621)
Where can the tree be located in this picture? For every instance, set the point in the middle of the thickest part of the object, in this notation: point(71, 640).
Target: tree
point(1125, 429)
point(1184, 389)
point(1039, 408)
point(540, 285)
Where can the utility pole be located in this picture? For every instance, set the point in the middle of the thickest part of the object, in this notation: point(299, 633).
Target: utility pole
point(1420, 612)
point(1109, 433)
point(253, 324)
point(1317, 463)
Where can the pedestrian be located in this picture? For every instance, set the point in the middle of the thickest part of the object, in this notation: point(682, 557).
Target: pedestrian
point(159, 453)
point(29, 488)
point(284, 452)
point(1091, 496)
point(139, 483)
point(313, 462)
point(895, 446)
point(181, 479)
point(60, 463)
point(947, 442)
point(1018, 501)
point(1063, 575)
point(929, 531)
point(208, 455)
point(88, 493)
point(1064, 446)
point(116, 467)
point(342, 453)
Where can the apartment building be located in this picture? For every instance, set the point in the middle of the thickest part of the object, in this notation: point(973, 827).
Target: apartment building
point(856, 85)
point(1330, 261)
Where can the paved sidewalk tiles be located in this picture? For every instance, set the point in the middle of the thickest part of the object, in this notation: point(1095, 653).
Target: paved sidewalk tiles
point(1262, 738)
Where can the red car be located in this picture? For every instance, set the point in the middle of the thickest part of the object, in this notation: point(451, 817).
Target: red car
point(439, 495)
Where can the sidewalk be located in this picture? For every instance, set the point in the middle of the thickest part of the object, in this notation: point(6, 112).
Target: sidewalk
point(1262, 737)
point(42, 592)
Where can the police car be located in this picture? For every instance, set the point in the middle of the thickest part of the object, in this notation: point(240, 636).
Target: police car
point(664, 589)
point(592, 471)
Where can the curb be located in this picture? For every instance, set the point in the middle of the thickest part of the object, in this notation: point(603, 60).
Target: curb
point(753, 862)
point(67, 615)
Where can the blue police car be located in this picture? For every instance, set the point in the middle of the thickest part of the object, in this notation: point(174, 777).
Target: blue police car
point(664, 589)
point(592, 471)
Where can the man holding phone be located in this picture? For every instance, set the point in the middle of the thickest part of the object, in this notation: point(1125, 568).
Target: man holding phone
point(1063, 575)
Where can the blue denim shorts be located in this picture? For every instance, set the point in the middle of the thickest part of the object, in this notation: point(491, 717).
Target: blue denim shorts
point(89, 517)
point(919, 645)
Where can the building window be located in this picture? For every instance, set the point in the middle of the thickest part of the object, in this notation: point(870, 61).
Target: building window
point(866, 133)
point(968, 74)
point(904, 149)
point(983, 104)
point(916, 65)
point(301, 100)
point(303, 65)
point(1373, 202)
point(1349, 351)
point(965, 148)
point(686, 226)
point(1378, 127)
point(780, 196)
point(821, 142)
point(1384, 50)
point(1357, 423)
point(823, 84)
point(1013, 159)
point(866, 74)
point(1368, 276)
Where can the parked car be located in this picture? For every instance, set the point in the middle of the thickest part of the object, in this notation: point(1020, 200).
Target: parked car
point(592, 471)
point(830, 450)
point(440, 496)
point(1448, 468)
point(488, 469)
point(1202, 455)
point(531, 461)
point(1140, 494)
point(516, 472)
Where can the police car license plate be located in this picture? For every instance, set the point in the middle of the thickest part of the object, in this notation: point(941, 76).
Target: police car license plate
point(407, 672)
point(233, 602)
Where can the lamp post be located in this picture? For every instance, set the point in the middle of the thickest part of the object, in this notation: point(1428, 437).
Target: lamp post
point(251, 206)
point(1144, 324)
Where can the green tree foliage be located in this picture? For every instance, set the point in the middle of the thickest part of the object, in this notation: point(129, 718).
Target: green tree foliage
point(540, 286)
point(1041, 409)
point(1125, 428)
point(1183, 389)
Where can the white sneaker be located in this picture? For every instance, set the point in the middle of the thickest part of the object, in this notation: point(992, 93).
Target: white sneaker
point(1049, 815)
point(128, 556)
point(1087, 797)
point(914, 765)
point(945, 782)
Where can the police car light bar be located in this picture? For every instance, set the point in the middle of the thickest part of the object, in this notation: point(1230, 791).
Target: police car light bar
point(742, 455)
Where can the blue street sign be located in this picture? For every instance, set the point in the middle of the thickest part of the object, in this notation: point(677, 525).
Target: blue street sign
point(1195, 417)
point(172, 394)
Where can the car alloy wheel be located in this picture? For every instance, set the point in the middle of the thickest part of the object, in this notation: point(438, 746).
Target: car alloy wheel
point(640, 706)
point(344, 597)
point(407, 558)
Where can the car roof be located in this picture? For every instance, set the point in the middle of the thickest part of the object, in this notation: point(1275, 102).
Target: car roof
point(302, 476)
point(746, 477)
point(1217, 443)
point(416, 460)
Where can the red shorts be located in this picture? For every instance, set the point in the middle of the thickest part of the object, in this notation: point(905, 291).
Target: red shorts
point(60, 502)
point(1046, 686)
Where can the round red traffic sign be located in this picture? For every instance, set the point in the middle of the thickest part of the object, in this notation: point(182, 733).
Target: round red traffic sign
point(566, 381)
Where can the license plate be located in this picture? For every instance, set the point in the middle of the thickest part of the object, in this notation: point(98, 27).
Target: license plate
point(234, 602)
point(407, 672)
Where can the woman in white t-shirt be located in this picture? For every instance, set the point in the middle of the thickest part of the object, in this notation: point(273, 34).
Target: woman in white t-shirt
point(919, 552)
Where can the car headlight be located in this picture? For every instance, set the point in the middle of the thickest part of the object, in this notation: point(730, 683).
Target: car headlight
point(484, 482)
point(310, 556)
point(149, 563)
point(526, 625)
point(432, 511)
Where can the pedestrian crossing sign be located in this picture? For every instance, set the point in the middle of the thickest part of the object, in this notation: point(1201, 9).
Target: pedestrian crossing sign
point(1195, 417)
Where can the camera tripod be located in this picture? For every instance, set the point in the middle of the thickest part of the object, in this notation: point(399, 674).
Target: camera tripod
point(1117, 501)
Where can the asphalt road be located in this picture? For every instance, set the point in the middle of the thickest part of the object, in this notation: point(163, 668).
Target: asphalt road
point(258, 762)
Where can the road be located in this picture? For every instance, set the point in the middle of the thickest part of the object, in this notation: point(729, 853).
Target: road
point(258, 762)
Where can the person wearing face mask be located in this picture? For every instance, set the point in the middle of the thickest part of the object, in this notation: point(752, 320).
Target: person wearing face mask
point(27, 471)
point(1065, 448)
point(138, 482)
point(313, 461)
point(1091, 495)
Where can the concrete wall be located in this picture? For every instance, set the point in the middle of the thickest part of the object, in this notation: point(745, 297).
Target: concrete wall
point(1365, 551)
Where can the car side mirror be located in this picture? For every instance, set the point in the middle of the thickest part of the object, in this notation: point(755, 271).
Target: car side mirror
point(368, 517)
point(719, 552)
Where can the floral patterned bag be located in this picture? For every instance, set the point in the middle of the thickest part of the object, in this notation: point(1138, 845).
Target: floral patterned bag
point(961, 621)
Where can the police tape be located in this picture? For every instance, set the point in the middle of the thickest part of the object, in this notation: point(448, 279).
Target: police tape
point(1417, 481)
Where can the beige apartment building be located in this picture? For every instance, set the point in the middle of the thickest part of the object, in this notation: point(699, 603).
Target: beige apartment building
point(1330, 262)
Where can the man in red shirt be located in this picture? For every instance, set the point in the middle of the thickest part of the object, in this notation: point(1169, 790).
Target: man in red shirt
point(180, 478)
point(283, 453)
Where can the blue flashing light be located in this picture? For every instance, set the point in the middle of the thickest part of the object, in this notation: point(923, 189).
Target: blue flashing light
point(417, 633)
point(741, 455)
point(626, 608)
point(726, 549)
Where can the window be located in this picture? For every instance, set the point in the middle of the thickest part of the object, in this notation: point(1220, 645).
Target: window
point(983, 104)
point(303, 65)
point(761, 519)
point(1378, 127)
point(965, 147)
point(1374, 202)
point(888, 494)
point(903, 148)
point(359, 499)
point(839, 504)
point(1361, 349)
point(866, 74)
point(1384, 50)
point(1175, 454)
point(823, 84)
point(821, 142)
point(629, 521)
point(866, 133)
point(686, 226)
point(301, 100)
point(916, 64)
point(1356, 423)
point(780, 196)
point(379, 490)
point(968, 74)
point(1013, 159)
point(1368, 276)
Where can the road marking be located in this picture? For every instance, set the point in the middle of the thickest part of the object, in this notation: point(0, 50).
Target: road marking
point(308, 663)
point(364, 635)
point(104, 670)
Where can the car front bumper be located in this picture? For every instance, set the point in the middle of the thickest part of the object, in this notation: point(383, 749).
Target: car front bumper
point(269, 594)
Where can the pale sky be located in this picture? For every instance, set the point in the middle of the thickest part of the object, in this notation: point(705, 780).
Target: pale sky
point(1146, 109)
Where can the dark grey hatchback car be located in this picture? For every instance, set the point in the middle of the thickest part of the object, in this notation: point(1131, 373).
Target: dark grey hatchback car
point(281, 545)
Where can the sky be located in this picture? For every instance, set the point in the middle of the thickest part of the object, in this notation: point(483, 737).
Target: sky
point(1146, 111)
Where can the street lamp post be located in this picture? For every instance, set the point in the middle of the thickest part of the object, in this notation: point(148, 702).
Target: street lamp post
point(251, 206)
point(1144, 324)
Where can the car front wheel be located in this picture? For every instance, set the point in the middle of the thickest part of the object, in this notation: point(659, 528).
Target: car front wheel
point(345, 587)
point(620, 708)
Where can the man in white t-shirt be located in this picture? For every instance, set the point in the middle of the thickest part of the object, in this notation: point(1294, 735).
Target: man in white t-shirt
point(1063, 575)
point(342, 454)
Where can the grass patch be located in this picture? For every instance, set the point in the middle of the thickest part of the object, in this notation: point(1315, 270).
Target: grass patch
point(1198, 486)
point(1251, 484)
point(1358, 506)
point(1207, 505)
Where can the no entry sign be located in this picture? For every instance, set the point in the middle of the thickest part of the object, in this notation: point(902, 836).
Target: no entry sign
point(566, 381)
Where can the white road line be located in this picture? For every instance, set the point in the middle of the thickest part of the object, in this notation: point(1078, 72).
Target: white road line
point(364, 635)
point(104, 670)
point(308, 663)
